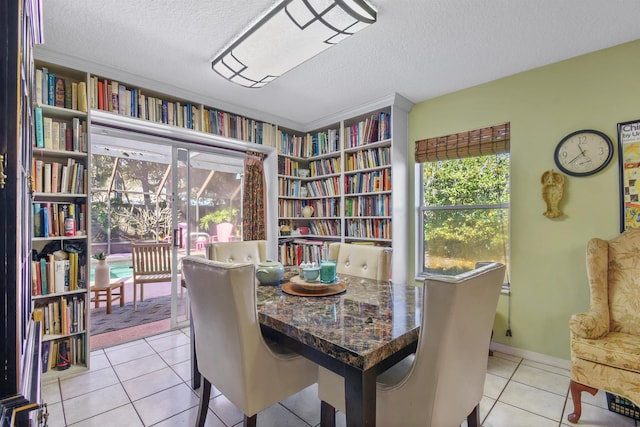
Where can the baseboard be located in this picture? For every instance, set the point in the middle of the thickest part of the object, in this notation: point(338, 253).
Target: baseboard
point(531, 355)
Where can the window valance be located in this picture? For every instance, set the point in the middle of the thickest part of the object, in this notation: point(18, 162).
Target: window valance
point(479, 142)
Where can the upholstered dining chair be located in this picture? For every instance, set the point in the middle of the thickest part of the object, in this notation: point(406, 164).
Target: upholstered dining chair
point(232, 354)
point(441, 384)
point(369, 262)
point(605, 340)
point(249, 251)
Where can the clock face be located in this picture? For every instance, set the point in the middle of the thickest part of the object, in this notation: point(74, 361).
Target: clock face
point(584, 152)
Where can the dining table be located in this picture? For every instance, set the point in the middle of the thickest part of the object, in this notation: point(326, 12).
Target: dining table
point(358, 333)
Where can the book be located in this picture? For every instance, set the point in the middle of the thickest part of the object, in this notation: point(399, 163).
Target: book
point(48, 132)
point(45, 86)
point(55, 135)
point(39, 128)
point(59, 96)
point(82, 97)
point(51, 89)
point(74, 95)
point(59, 275)
point(38, 87)
point(47, 178)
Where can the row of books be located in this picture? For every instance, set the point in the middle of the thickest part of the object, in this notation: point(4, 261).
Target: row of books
point(56, 177)
point(289, 188)
point(51, 276)
point(374, 128)
point(324, 166)
point(60, 91)
point(234, 126)
point(59, 354)
point(366, 159)
point(60, 134)
point(321, 208)
point(324, 187)
point(297, 251)
point(368, 182)
point(64, 316)
point(379, 205)
point(59, 219)
point(112, 96)
point(368, 228)
point(309, 145)
point(325, 227)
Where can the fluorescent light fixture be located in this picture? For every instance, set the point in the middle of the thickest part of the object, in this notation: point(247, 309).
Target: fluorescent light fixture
point(290, 33)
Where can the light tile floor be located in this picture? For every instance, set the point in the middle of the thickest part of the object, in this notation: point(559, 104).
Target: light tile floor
point(147, 383)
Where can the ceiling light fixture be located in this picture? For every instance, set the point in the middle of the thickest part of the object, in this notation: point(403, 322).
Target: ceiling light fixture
point(290, 33)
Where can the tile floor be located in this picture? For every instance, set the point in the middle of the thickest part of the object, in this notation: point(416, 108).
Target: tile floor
point(146, 383)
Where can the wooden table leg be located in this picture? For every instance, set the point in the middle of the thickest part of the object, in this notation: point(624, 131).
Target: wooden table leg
point(109, 300)
point(360, 396)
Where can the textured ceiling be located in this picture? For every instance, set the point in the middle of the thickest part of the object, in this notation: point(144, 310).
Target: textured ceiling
point(418, 48)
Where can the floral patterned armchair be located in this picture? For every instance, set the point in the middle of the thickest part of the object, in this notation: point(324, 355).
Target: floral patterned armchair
point(605, 340)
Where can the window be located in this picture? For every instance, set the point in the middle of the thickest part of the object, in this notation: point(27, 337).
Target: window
point(464, 206)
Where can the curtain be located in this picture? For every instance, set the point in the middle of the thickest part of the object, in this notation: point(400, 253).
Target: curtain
point(253, 198)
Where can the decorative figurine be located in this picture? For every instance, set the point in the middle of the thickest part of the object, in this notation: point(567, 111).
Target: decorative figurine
point(552, 192)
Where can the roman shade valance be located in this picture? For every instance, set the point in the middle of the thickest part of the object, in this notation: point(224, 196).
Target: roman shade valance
point(479, 142)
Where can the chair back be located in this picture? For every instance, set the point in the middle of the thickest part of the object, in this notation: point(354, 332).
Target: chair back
point(448, 373)
point(250, 251)
point(622, 258)
point(223, 231)
point(151, 259)
point(369, 262)
point(225, 323)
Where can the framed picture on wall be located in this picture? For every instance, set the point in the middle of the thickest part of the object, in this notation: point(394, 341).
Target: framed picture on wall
point(629, 156)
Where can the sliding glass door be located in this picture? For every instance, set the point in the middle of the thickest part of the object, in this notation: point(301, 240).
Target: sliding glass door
point(152, 189)
point(208, 203)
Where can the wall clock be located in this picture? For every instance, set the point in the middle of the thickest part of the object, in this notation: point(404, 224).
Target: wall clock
point(583, 152)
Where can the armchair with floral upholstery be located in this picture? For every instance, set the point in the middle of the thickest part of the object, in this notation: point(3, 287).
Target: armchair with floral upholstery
point(605, 340)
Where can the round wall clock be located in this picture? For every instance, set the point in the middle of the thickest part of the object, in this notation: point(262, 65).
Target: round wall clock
point(583, 152)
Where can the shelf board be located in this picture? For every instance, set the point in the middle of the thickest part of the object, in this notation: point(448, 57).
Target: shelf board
point(371, 193)
point(60, 112)
point(377, 168)
point(39, 151)
point(381, 143)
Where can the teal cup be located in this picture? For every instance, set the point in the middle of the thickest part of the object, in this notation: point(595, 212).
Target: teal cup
point(327, 271)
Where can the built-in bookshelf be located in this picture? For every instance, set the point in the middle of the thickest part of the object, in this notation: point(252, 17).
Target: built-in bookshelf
point(60, 218)
point(349, 186)
point(367, 178)
point(310, 193)
point(126, 100)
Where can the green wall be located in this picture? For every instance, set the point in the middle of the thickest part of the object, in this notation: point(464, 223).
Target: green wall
point(548, 273)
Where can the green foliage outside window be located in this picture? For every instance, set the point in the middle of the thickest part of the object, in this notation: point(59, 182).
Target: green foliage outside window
point(465, 206)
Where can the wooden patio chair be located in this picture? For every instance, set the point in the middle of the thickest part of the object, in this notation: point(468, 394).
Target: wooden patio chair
point(151, 264)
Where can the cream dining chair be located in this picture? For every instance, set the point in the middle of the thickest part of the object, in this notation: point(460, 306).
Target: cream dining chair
point(231, 353)
point(441, 384)
point(251, 251)
point(369, 262)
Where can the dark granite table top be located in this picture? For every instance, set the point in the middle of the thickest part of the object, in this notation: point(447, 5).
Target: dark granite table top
point(360, 327)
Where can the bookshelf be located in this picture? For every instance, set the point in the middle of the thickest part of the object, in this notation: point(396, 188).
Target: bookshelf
point(60, 218)
point(355, 187)
point(309, 193)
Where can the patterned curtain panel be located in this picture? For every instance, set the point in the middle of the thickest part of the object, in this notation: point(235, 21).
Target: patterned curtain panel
point(253, 198)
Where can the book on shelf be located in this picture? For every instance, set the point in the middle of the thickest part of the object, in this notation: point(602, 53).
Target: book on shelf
point(55, 135)
point(51, 88)
point(39, 124)
point(48, 132)
point(82, 97)
point(38, 86)
point(59, 92)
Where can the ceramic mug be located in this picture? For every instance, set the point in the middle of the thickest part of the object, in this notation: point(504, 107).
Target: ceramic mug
point(327, 271)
